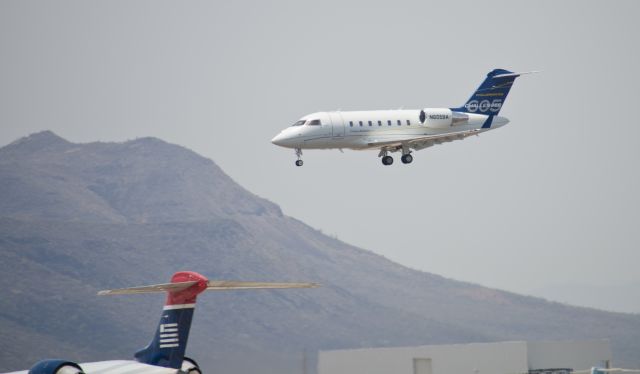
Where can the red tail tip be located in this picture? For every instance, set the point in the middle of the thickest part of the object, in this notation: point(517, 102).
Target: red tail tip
point(188, 295)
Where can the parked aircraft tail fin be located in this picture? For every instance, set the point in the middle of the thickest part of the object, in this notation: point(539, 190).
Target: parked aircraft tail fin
point(170, 340)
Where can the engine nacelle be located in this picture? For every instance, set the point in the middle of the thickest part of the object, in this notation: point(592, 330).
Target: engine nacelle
point(436, 118)
point(190, 366)
point(56, 367)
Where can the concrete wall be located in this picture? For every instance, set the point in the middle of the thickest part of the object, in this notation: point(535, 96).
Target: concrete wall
point(490, 358)
point(479, 358)
point(578, 355)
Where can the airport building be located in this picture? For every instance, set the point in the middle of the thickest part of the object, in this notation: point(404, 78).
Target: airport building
point(517, 357)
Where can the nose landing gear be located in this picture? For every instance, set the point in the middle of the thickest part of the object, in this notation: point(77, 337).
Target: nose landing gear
point(299, 155)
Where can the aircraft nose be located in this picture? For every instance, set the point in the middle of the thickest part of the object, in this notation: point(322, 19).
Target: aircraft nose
point(287, 138)
point(278, 139)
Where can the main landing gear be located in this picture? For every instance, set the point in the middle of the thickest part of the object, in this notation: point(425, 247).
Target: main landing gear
point(406, 159)
point(406, 154)
point(388, 160)
point(299, 155)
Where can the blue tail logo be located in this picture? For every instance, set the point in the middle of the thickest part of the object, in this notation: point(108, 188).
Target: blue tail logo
point(490, 96)
point(170, 341)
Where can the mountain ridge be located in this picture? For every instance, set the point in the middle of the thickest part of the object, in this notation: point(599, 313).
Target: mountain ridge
point(118, 177)
point(91, 216)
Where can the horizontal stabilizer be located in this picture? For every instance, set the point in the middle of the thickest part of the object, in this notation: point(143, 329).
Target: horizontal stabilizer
point(164, 287)
point(234, 285)
point(211, 286)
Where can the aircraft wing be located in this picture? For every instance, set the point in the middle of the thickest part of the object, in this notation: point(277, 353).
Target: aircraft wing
point(421, 142)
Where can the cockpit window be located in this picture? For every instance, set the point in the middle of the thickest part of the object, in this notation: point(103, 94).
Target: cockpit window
point(315, 122)
point(299, 123)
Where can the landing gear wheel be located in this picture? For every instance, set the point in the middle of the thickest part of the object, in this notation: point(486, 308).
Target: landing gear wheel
point(406, 159)
point(387, 160)
point(299, 156)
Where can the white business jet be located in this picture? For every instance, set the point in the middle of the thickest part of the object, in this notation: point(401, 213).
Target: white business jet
point(402, 130)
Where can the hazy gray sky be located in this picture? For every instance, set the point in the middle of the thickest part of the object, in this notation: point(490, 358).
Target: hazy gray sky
point(551, 199)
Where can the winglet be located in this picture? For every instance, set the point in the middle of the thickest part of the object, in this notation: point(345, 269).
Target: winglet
point(517, 74)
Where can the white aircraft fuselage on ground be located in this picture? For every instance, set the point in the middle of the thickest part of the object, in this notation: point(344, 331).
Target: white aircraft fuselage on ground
point(401, 130)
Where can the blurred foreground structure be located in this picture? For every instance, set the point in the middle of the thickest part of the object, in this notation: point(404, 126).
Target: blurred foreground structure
point(548, 357)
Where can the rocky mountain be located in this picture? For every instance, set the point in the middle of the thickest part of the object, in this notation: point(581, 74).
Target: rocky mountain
point(77, 218)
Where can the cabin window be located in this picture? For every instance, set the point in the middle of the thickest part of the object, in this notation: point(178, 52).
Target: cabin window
point(369, 123)
point(299, 123)
point(399, 123)
point(389, 122)
point(360, 123)
point(351, 123)
point(379, 123)
point(315, 122)
point(408, 123)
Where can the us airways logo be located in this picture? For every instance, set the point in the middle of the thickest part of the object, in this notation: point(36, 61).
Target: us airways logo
point(169, 335)
point(484, 106)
